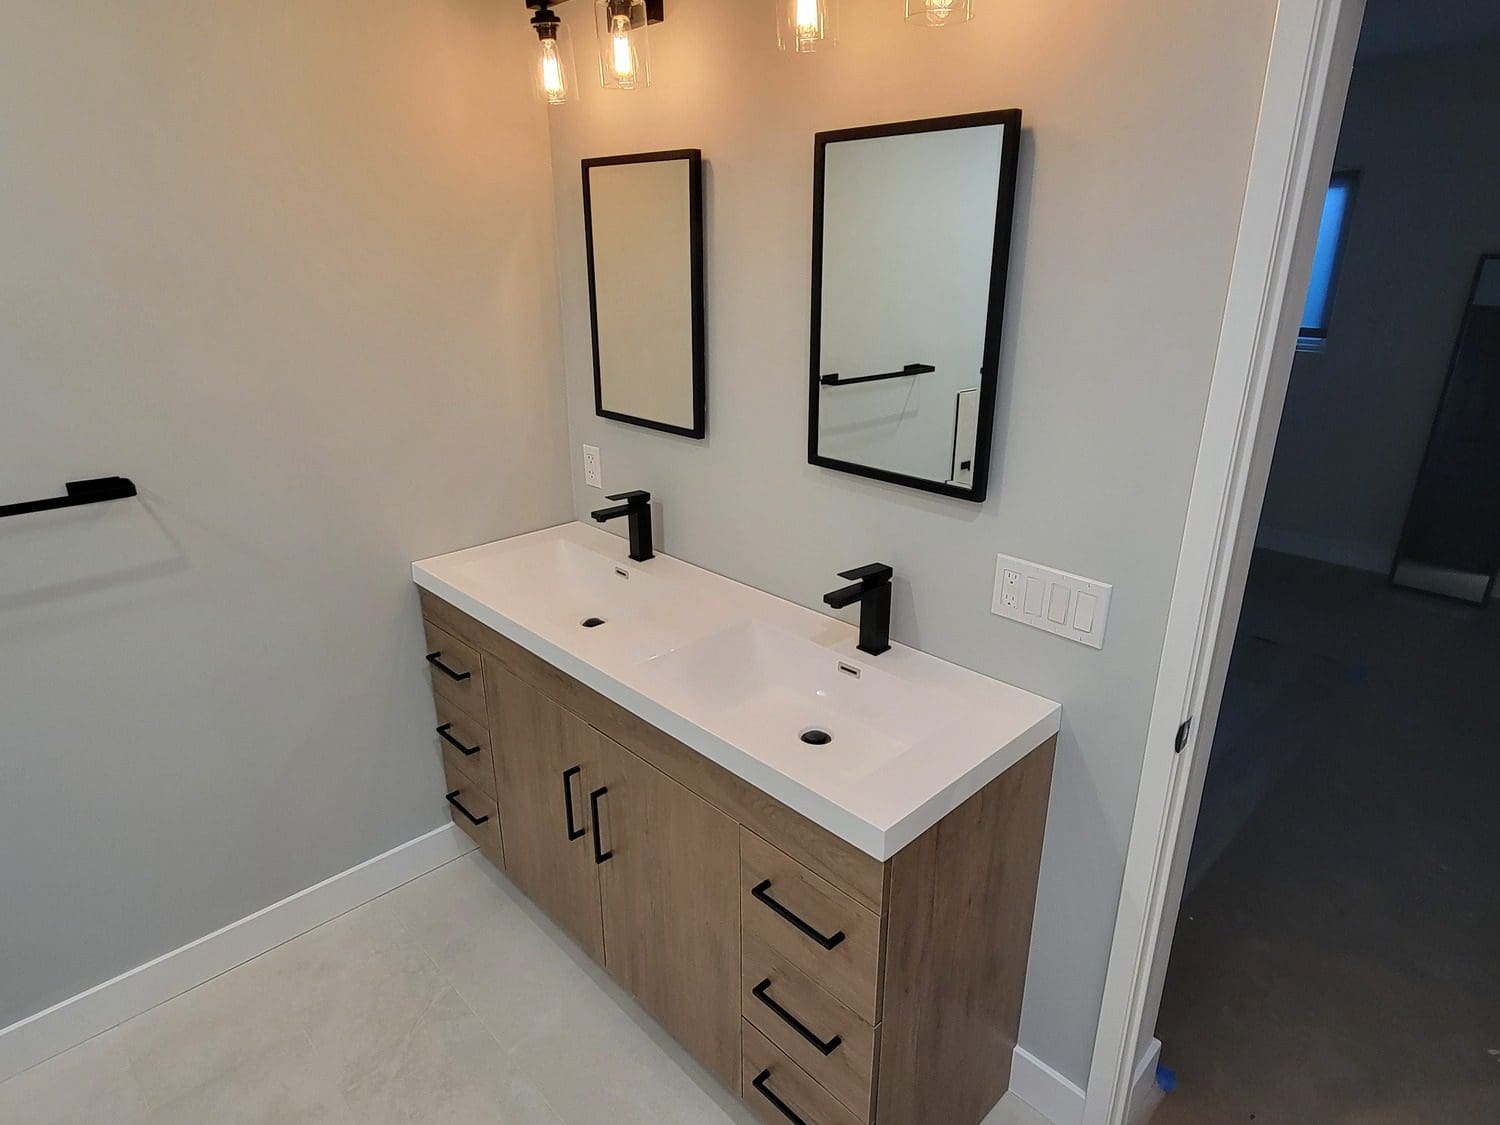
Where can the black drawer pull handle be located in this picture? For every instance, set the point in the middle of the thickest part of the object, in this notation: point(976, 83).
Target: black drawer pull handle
point(466, 751)
point(573, 833)
point(759, 891)
point(599, 854)
point(434, 658)
point(759, 1082)
point(454, 801)
point(760, 993)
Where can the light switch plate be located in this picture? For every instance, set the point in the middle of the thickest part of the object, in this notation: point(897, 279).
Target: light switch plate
point(1035, 595)
point(592, 475)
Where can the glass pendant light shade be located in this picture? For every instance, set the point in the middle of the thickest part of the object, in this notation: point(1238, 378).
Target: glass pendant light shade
point(807, 25)
point(556, 80)
point(624, 48)
point(939, 13)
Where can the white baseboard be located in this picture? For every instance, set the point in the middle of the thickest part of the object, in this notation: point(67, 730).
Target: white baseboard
point(37, 1038)
point(1045, 1090)
point(1145, 1094)
point(1060, 1100)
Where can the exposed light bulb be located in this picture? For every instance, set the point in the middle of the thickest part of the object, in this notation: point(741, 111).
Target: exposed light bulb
point(554, 81)
point(939, 13)
point(806, 25)
point(807, 20)
point(622, 54)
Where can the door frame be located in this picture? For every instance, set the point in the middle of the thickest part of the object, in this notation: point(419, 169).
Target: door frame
point(1302, 104)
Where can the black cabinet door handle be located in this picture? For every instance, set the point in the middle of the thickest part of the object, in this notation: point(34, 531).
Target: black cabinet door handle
point(568, 775)
point(759, 891)
point(762, 993)
point(599, 854)
point(466, 751)
point(435, 659)
point(759, 1082)
point(457, 804)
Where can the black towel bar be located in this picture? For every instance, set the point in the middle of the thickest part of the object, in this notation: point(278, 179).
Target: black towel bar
point(836, 380)
point(80, 492)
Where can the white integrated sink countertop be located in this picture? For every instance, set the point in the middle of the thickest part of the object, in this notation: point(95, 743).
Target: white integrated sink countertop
point(739, 674)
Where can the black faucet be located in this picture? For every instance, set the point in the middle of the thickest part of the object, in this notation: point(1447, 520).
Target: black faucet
point(638, 507)
point(872, 588)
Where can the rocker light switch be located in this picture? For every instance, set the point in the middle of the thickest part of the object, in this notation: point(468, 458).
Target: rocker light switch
point(1053, 600)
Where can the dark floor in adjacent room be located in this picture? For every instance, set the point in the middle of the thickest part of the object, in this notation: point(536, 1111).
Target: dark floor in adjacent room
point(1339, 959)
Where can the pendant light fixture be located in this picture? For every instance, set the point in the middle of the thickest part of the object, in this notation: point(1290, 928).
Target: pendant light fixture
point(624, 48)
point(556, 79)
point(938, 13)
point(807, 25)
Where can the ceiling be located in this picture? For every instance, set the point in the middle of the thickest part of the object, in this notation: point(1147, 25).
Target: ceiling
point(1398, 27)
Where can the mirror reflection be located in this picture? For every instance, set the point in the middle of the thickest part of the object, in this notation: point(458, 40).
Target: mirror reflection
point(911, 235)
point(643, 226)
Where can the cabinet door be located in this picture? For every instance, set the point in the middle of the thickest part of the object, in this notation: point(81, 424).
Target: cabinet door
point(671, 906)
point(546, 761)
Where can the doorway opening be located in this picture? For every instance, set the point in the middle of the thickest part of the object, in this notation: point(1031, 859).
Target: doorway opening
point(1337, 950)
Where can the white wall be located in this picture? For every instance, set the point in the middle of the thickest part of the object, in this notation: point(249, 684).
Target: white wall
point(290, 267)
point(1138, 124)
point(1423, 131)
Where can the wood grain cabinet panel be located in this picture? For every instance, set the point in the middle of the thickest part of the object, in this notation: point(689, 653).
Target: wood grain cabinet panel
point(546, 760)
point(457, 674)
point(815, 1031)
point(670, 889)
point(466, 742)
point(812, 924)
point(780, 1092)
point(474, 811)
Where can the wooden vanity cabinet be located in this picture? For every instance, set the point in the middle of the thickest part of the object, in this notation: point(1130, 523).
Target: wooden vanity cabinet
point(815, 981)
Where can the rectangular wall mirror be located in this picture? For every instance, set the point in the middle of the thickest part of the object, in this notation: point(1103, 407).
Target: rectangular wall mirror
point(1451, 542)
point(643, 228)
point(911, 239)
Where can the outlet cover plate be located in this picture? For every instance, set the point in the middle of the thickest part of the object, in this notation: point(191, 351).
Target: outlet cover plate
point(593, 476)
point(1038, 596)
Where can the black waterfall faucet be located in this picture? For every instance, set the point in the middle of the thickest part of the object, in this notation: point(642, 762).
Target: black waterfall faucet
point(872, 589)
point(638, 507)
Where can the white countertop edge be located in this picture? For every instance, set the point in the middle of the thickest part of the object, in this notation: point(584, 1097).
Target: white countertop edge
point(879, 842)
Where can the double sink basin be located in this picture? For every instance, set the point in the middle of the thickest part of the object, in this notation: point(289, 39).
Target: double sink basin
point(875, 749)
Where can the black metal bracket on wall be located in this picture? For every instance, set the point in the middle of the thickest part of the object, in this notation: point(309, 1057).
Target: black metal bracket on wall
point(654, 8)
point(98, 490)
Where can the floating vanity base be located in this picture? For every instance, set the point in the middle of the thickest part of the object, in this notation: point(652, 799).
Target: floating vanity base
point(819, 983)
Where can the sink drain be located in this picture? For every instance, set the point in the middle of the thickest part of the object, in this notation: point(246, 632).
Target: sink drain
point(815, 736)
point(592, 622)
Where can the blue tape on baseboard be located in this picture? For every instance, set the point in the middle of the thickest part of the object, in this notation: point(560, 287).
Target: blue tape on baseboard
point(1166, 1078)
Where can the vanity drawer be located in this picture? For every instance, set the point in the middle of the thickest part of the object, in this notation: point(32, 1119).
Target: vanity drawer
point(811, 924)
point(781, 1092)
point(466, 744)
point(456, 672)
point(467, 803)
point(791, 1010)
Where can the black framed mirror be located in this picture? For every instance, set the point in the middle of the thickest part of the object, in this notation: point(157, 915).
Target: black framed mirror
point(911, 245)
point(643, 232)
point(1450, 544)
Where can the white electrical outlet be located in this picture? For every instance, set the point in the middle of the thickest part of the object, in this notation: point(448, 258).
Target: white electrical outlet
point(1068, 605)
point(593, 476)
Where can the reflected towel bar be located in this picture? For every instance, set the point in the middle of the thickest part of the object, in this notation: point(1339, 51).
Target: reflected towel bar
point(836, 380)
point(99, 490)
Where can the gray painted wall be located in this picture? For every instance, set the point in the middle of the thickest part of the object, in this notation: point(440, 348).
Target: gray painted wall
point(1423, 131)
point(1139, 120)
point(290, 267)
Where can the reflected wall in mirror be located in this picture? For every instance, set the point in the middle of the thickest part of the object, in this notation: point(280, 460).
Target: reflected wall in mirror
point(911, 238)
point(1451, 542)
point(643, 229)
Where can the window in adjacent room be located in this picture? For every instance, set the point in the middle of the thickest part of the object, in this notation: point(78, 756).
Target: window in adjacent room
point(1327, 259)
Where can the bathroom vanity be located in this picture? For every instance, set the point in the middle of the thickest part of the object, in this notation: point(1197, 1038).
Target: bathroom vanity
point(815, 868)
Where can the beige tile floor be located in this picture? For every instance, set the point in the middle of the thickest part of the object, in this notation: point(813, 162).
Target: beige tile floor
point(450, 999)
